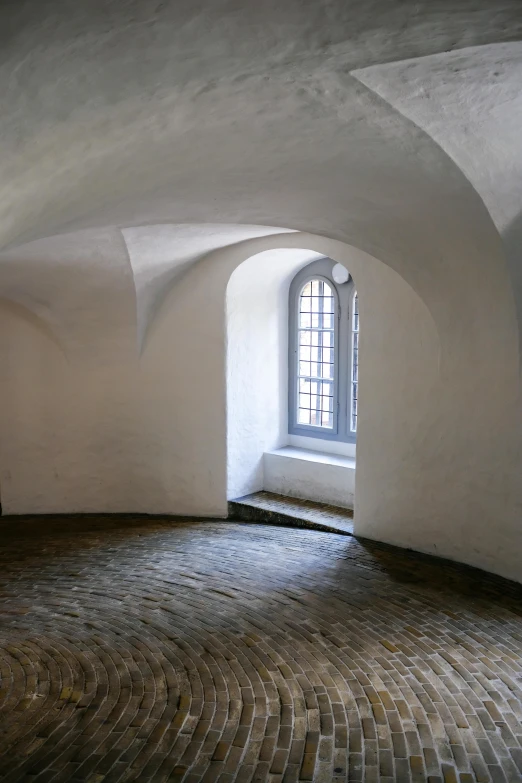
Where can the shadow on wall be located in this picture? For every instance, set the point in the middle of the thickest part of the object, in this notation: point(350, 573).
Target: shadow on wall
point(19, 311)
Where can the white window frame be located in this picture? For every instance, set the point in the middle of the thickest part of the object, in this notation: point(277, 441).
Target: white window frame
point(343, 347)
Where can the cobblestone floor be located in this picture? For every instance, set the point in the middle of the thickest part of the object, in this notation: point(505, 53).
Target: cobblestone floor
point(147, 651)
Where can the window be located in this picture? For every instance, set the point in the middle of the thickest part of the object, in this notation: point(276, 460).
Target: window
point(323, 354)
point(316, 338)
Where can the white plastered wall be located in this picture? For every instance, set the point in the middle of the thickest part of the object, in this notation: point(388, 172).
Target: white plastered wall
point(282, 123)
point(220, 392)
point(103, 429)
point(70, 429)
point(400, 360)
point(437, 457)
point(93, 426)
point(257, 365)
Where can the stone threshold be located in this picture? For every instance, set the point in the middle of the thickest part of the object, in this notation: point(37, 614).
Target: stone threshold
point(268, 508)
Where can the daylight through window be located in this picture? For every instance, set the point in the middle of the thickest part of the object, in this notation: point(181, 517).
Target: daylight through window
point(316, 354)
point(323, 343)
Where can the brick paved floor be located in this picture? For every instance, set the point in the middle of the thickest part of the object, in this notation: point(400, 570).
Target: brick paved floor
point(145, 651)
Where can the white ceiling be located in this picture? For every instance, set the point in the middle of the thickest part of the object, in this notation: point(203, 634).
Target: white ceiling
point(366, 123)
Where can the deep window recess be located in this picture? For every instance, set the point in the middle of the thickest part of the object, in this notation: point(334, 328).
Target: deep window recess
point(323, 354)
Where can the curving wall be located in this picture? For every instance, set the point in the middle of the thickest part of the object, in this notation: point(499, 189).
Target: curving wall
point(132, 187)
point(470, 103)
point(107, 428)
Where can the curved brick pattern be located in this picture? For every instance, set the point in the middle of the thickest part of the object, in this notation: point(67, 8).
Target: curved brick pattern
point(148, 651)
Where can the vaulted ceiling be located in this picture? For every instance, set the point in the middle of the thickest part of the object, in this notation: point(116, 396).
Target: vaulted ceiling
point(172, 129)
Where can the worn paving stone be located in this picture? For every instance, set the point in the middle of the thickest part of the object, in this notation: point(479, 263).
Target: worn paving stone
point(271, 509)
point(148, 650)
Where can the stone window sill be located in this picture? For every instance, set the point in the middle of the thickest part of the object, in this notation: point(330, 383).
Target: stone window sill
point(307, 455)
point(310, 475)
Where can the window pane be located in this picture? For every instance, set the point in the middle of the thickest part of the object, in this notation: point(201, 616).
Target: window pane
point(327, 420)
point(326, 404)
point(327, 321)
point(303, 416)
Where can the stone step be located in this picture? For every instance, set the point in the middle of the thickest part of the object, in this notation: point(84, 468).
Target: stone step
point(270, 509)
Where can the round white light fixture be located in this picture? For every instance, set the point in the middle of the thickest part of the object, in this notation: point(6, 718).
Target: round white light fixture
point(340, 274)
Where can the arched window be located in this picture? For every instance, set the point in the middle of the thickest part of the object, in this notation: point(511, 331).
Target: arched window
point(323, 354)
point(316, 365)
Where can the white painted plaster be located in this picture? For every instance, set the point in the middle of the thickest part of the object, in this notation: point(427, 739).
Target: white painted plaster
point(240, 120)
point(416, 423)
point(70, 430)
point(150, 433)
point(257, 366)
point(326, 446)
point(310, 475)
point(82, 286)
point(470, 102)
point(160, 254)
point(195, 132)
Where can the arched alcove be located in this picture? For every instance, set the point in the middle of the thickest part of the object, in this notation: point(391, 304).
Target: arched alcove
point(400, 359)
point(148, 431)
point(417, 429)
